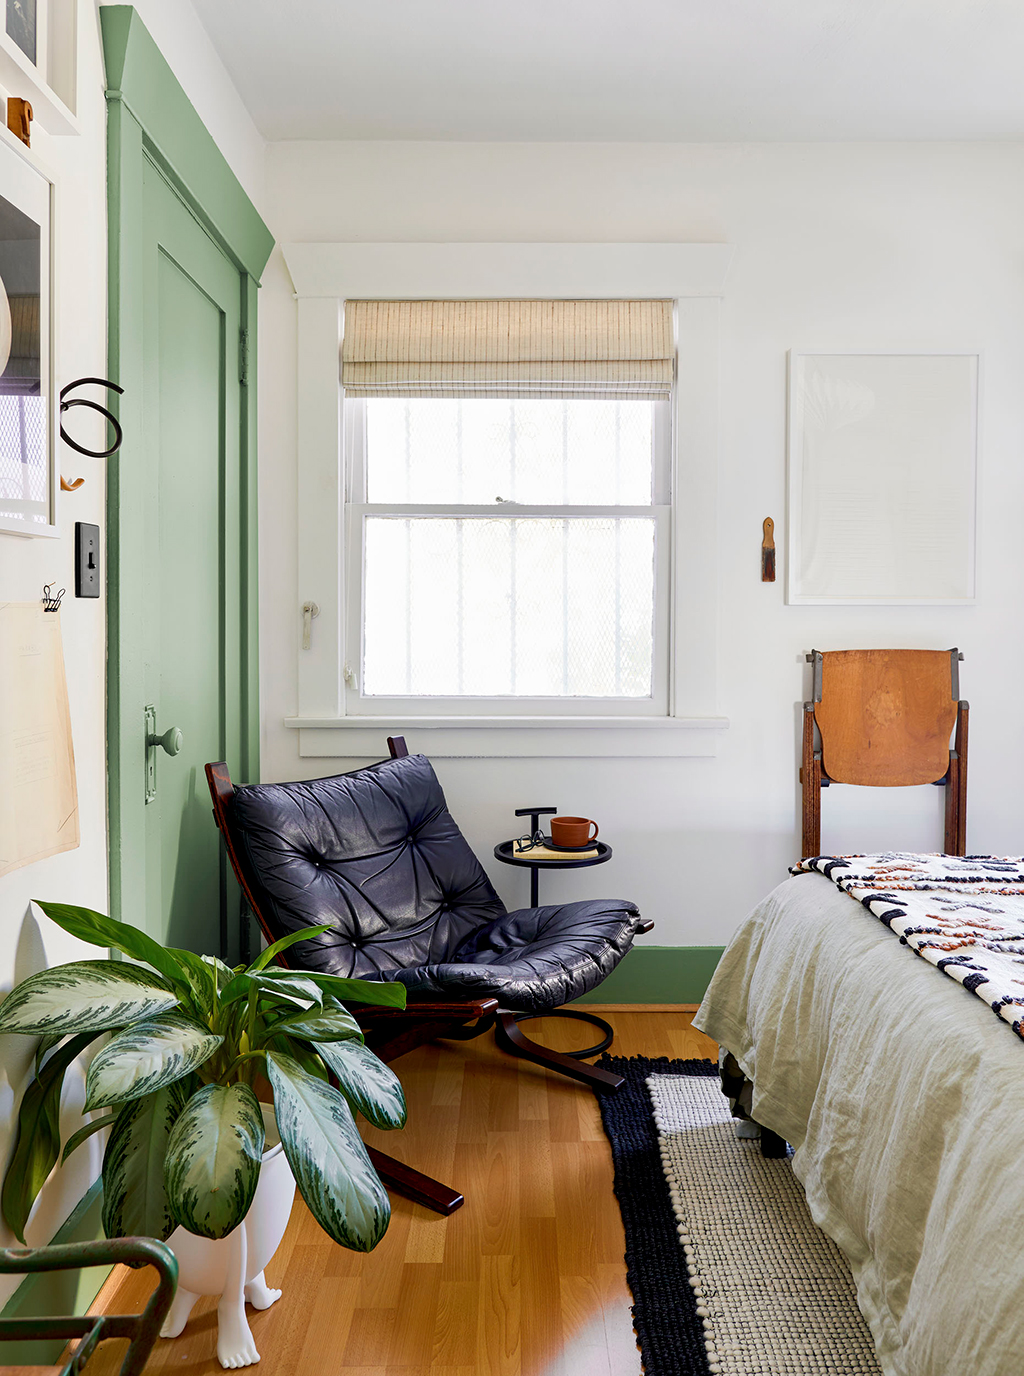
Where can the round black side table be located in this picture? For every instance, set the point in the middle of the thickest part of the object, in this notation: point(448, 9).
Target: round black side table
point(505, 852)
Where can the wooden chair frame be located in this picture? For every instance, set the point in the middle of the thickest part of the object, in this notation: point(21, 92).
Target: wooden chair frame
point(391, 1032)
point(813, 777)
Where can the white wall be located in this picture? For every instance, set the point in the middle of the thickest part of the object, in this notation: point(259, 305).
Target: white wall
point(838, 246)
point(80, 876)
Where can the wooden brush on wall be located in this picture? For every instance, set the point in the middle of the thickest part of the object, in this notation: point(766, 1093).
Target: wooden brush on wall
point(768, 552)
point(19, 119)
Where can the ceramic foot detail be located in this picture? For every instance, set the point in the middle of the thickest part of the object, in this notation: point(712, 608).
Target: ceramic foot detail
point(220, 1266)
point(177, 1315)
point(235, 1344)
point(259, 1294)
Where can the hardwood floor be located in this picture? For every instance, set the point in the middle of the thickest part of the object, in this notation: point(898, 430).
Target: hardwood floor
point(526, 1279)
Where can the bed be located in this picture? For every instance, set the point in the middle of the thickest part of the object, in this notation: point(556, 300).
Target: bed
point(903, 1097)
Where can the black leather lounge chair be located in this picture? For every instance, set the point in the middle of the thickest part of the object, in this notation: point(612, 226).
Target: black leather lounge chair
point(377, 854)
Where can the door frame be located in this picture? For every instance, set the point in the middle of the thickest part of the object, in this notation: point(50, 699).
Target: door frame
point(150, 116)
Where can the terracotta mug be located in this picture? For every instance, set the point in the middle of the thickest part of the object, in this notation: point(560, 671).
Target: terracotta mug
point(572, 831)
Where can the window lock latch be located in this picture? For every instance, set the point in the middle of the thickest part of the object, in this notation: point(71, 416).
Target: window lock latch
point(309, 610)
point(349, 676)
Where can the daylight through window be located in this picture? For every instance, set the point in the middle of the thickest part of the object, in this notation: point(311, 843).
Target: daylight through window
point(509, 543)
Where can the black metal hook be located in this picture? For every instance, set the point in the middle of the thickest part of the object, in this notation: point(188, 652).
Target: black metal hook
point(94, 406)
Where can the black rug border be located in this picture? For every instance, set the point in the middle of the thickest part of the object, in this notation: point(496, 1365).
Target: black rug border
point(668, 1329)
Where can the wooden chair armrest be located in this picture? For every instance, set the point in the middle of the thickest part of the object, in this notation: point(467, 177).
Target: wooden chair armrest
point(646, 926)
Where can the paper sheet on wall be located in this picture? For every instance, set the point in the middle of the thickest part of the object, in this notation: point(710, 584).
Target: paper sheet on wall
point(882, 478)
point(38, 790)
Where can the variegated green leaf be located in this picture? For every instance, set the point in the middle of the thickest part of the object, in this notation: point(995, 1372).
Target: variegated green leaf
point(327, 1156)
point(134, 1198)
point(199, 978)
point(286, 984)
point(383, 993)
point(223, 973)
point(83, 1134)
point(272, 952)
point(45, 1045)
point(38, 1144)
point(304, 1054)
point(100, 930)
point(151, 1053)
point(329, 1024)
point(213, 1159)
point(282, 984)
point(366, 1082)
point(85, 996)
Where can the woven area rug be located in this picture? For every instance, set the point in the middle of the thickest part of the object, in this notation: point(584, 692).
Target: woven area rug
point(728, 1272)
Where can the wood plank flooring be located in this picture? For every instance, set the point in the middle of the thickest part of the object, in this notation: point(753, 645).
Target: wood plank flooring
point(526, 1279)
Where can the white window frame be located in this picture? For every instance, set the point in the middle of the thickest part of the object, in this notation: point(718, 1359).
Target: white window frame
point(357, 509)
point(693, 276)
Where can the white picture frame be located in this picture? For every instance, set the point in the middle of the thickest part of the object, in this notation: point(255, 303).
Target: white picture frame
point(28, 405)
point(882, 464)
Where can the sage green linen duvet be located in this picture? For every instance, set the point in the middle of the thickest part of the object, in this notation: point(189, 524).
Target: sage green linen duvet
point(903, 1097)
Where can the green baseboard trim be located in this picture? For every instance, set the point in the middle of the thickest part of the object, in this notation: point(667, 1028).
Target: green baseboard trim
point(48, 1293)
point(659, 974)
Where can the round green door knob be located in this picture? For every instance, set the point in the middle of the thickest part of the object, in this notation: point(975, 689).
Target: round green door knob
point(172, 740)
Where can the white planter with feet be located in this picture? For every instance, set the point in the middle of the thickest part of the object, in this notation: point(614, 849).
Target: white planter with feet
point(232, 1267)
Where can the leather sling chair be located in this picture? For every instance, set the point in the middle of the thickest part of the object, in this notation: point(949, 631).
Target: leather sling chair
point(884, 718)
point(377, 854)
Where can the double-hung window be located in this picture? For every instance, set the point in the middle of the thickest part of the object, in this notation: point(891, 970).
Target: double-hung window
point(507, 526)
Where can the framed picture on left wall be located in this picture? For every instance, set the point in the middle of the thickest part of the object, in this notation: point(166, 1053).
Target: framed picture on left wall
point(22, 27)
point(28, 429)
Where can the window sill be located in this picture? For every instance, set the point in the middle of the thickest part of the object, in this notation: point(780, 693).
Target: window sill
point(503, 737)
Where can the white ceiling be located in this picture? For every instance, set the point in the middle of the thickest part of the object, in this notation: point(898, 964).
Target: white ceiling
point(644, 70)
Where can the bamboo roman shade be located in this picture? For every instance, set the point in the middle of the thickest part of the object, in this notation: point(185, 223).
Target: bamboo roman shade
point(508, 348)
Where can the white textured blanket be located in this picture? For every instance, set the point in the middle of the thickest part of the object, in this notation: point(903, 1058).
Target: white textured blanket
point(963, 914)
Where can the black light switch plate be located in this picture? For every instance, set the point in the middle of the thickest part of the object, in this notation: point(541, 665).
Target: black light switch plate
point(87, 559)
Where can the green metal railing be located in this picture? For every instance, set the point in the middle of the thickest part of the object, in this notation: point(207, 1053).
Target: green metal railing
point(140, 1329)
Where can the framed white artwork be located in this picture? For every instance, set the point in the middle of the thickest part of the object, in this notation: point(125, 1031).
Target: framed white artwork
point(882, 478)
point(28, 411)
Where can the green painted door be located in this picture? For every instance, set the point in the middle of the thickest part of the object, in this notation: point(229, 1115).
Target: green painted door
point(192, 673)
point(187, 248)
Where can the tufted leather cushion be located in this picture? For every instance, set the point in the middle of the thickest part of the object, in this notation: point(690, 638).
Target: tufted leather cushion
point(534, 958)
point(377, 854)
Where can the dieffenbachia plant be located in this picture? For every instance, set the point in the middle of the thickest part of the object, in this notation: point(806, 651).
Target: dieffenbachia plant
point(190, 1037)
